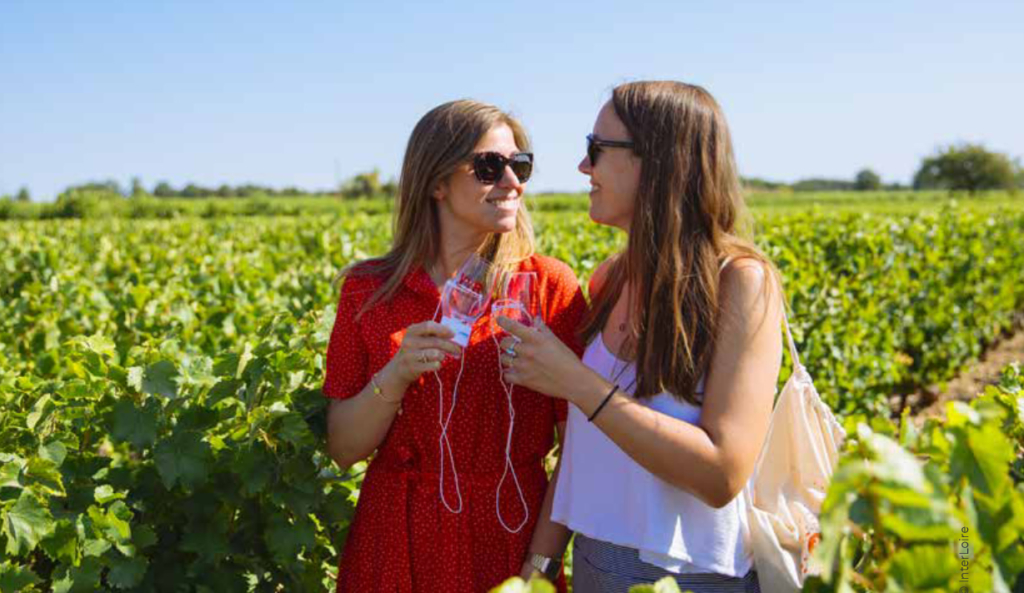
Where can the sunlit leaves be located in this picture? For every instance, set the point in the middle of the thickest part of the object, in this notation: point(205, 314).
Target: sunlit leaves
point(25, 523)
point(162, 426)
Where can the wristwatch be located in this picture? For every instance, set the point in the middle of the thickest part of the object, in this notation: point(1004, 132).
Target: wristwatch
point(549, 567)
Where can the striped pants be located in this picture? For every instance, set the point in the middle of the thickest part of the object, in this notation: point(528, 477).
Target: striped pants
point(601, 567)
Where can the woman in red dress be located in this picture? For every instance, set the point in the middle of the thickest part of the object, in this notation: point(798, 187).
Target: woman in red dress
point(424, 525)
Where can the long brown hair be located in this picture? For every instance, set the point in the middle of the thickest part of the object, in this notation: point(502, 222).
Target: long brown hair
point(443, 139)
point(689, 216)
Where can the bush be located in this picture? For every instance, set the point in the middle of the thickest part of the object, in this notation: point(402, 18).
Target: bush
point(905, 510)
point(967, 167)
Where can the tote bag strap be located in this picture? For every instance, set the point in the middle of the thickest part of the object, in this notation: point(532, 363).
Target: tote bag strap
point(789, 339)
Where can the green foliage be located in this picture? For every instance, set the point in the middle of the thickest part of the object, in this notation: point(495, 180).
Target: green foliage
point(137, 190)
point(867, 180)
point(164, 190)
point(930, 508)
point(817, 184)
point(155, 402)
point(968, 167)
point(882, 304)
point(367, 185)
point(538, 584)
point(160, 415)
point(83, 203)
point(254, 201)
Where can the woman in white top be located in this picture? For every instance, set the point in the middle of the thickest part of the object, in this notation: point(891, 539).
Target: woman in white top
point(672, 400)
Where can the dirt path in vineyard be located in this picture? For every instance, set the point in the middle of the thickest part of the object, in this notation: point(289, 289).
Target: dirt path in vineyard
point(972, 381)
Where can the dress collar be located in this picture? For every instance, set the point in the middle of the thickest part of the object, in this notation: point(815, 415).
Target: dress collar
point(420, 282)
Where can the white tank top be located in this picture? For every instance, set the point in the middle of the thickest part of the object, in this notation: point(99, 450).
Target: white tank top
point(604, 494)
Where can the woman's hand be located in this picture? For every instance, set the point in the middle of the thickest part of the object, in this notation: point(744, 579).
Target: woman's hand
point(536, 359)
point(423, 349)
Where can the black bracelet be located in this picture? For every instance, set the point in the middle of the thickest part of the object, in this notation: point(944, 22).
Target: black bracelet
point(605, 401)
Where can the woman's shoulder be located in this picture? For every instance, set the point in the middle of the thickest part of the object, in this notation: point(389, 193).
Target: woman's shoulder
point(358, 281)
point(748, 279)
point(745, 268)
point(550, 268)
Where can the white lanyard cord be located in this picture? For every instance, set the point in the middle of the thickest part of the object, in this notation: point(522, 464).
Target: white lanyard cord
point(508, 388)
point(444, 422)
point(443, 441)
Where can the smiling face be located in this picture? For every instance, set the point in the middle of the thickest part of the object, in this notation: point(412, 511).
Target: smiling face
point(467, 206)
point(616, 176)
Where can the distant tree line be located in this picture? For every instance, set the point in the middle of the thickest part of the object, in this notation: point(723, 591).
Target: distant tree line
point(956, 167)
point(360, 186)
point(962, 167)
point(864, 180)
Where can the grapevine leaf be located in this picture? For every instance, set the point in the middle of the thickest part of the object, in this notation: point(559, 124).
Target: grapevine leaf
point(208, 542)
point(143, 537)
point(105, 493)
point(225, 389)
point(126, 573)
point(134, 425)
point(55, 451)
point(285, 539)
point(135, 376)
point(14, 577)
point(62, 544)
point(27, 522)
point(982, 457)
point(10, 474)
point(923, 567)
point(159, 379)
point(44, 475)
point(41, 411)
point(84, 578)
point(254, 468)
point(183, 458)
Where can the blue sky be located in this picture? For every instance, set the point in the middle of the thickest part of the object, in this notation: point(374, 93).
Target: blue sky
point(302, 93)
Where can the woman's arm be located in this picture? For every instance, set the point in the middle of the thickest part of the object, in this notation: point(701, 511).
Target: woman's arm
point(549, 538)
point(357, 425)
point(713, 459)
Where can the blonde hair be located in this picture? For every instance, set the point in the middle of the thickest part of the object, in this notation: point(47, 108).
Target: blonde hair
point(443, 139)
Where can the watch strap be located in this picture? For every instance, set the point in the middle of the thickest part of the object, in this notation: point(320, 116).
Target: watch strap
point(549, 567)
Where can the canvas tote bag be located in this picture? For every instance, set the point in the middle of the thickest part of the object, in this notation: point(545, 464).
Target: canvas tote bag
point(790, 478)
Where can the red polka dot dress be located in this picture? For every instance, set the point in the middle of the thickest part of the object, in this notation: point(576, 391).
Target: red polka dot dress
point(403, 538)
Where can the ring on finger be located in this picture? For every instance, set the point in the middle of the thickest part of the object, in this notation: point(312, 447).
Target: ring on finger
point(511, 351)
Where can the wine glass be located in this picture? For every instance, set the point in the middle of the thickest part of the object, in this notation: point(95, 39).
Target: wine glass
point(516, 300)
point(460, 308)
point(475, 274)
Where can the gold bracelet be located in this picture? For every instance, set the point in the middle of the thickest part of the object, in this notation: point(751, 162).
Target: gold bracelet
point(380, 393)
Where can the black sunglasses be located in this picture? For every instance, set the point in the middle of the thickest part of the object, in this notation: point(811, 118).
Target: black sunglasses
point(489, 167)
point(594, 146)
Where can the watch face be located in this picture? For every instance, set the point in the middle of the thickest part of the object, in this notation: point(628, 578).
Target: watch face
point(552, 570)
